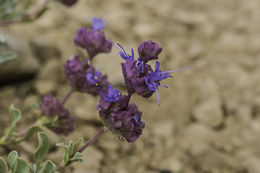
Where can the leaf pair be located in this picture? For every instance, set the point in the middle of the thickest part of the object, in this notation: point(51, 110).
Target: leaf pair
point(18, 165)
point(71, 153)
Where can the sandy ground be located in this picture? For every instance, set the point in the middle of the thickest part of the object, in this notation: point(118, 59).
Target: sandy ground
point(209, 118)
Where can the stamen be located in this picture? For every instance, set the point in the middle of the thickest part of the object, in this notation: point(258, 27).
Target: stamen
point(115, 45)
point(158, 96)
point(177, 70)
point(163, 86)
point(122, 48)
point(89, 62)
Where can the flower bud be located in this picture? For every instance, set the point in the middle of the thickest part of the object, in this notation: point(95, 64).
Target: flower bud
point(53, 107)
point(94, 41)
point(149, 50)
point(135, 80)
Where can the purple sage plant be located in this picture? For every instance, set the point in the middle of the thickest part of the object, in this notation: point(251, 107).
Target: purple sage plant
point(116, 111)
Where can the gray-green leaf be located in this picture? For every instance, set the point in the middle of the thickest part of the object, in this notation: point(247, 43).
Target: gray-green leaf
point(12, 160)
point(7, 56)
point(49, 121)
point(77, 157)
point(71, 148)
point(43, 148)
point(16, 116)
point(78, 145)
point(29, 133)
point(22, 166)
point(3, 166)
point(2, 39)
point(66, 157)
point(48, 167)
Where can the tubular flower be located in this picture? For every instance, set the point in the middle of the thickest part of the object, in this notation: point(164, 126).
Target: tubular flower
point(123, 53)
point(111, 95)
point(97, 23)
point(93, 78)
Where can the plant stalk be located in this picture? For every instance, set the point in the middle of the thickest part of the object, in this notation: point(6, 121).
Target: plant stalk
point(93, 139)
point(67, 96)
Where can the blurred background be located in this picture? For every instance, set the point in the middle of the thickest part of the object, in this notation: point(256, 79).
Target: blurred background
point(209, 118)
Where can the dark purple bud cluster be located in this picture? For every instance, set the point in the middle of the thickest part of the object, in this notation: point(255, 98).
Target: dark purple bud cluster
point(83, 77)
point(120, 117)
point(93, 40)
point(53, 107)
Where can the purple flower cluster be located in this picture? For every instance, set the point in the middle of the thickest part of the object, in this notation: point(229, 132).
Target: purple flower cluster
point(83, 77)
point(139, 77)
point(93, 40)
point(120, 117)
point(53, 107)
point(81, 74)
point(117, 113)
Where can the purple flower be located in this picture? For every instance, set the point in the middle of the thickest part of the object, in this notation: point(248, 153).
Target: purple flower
point(94, 41)
point(139, 66)
point(123, 120)
point(53, 107)
point(134, 76)
point(123, 54)
point(96, 85)
point(105, 105)
point(93, 78)
point(68, 3)
point(154, 78)
point(149, 50)
point(49, 105)
point(83, 77)
point(137, 119)
point(111, 95)
point(97, 23)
